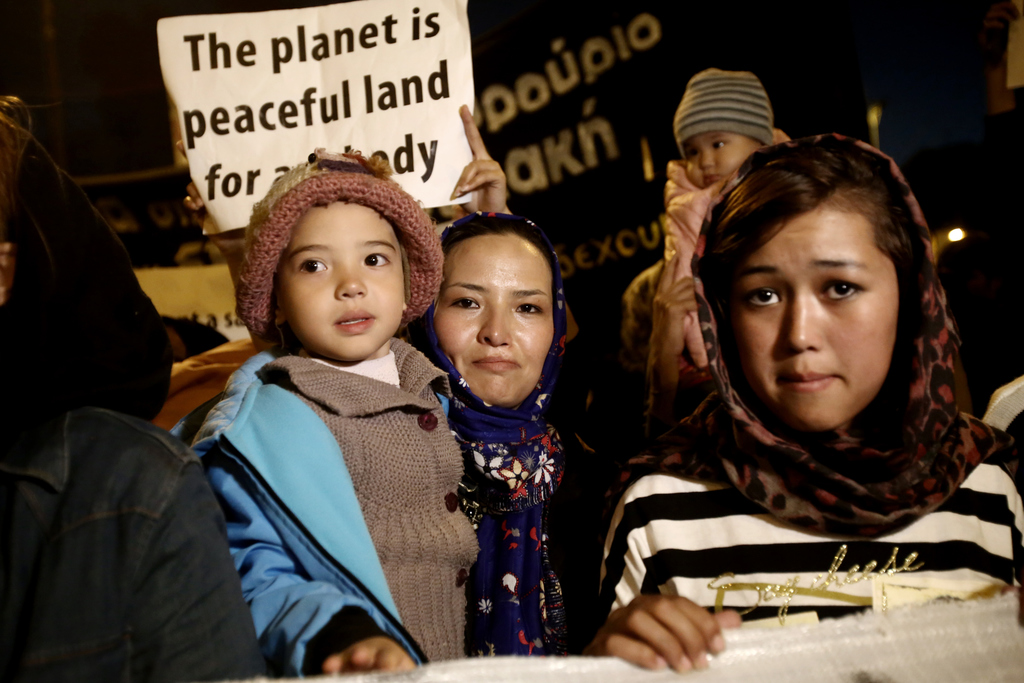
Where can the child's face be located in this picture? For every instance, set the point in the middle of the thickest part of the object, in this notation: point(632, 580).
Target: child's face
point(814, 311)
point(340, 285)
point(715, 155)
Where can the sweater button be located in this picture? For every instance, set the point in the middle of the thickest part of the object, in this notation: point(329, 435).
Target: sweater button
point(428, 421)
point(460, 578)
point(451, 501)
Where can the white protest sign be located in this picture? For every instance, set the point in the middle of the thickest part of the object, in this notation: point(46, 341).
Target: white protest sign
point(257, 92)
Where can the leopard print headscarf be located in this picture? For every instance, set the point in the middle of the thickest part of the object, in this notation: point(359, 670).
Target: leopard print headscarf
point(795, 476)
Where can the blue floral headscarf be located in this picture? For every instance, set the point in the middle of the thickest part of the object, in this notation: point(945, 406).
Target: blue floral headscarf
point(514, 463)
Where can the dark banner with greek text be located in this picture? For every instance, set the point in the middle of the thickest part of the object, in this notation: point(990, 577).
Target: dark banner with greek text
point(576, 102)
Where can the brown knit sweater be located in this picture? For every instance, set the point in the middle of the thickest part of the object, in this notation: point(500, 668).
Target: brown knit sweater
point(406, 467)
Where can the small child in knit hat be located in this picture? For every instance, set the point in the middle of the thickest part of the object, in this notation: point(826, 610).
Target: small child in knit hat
point(336, 470)
point(723, 117)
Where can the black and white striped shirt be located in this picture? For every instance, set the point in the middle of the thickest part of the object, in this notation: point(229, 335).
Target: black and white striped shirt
point(706, 542)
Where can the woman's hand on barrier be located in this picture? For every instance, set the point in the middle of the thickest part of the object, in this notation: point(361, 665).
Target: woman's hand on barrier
point(379, 653)
point(482, 178)
point(658, 630)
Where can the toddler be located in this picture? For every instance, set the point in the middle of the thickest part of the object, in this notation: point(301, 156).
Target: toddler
point(330, 453)
point(722, 118)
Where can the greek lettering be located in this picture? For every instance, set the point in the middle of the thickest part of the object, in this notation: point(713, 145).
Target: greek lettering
point(649, 241)
point(530, 160)
point(605, 251)
point(499, 105)
point(621, 246)
point(597, 56)
point(558, 155)
point(532, 92)
point(621, 48)
point(644, 32)
point(582, 258)
point(586, 131)
point(562, 83)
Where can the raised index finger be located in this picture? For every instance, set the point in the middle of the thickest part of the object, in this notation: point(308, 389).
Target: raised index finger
point(476, 143)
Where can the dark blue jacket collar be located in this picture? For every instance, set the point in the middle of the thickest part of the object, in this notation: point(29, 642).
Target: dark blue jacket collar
point(40, 454)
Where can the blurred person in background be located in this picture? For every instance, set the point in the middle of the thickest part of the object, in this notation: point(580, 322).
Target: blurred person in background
point(116, 564)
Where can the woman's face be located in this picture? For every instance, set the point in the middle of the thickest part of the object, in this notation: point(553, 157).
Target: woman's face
point(493, 317)
point(815, 312)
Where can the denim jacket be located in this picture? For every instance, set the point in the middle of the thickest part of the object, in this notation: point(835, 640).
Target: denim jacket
point(115, 564)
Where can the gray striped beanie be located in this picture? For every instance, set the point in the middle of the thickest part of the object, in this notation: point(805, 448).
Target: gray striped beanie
point(730, 101)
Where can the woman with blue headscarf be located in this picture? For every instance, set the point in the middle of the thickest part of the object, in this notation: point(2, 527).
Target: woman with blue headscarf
point(498, 329)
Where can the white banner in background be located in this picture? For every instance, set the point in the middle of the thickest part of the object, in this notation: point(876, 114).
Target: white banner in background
point(257, 92)
point(1015, 50)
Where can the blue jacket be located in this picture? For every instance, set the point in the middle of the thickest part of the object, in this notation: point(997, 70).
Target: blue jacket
point(294, 524)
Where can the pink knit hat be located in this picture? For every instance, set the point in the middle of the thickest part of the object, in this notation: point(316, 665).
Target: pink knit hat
point(329, 178)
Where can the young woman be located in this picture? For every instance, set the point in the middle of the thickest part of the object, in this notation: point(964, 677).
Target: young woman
point(498, 330)
point(831, 471)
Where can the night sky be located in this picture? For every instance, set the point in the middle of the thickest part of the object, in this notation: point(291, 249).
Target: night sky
point(918, 57)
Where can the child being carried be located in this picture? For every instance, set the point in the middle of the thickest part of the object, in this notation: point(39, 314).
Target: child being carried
point(331, 455)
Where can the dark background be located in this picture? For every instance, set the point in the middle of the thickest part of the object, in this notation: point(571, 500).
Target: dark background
point(91, 72)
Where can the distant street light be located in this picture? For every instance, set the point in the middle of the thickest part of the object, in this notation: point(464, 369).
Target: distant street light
point(874, 119)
